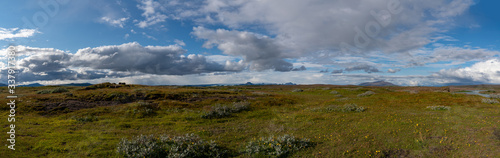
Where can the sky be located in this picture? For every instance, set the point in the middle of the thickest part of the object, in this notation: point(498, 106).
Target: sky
point(190, 42)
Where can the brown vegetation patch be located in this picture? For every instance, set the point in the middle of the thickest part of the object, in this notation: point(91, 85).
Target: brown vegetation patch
point(67, 106)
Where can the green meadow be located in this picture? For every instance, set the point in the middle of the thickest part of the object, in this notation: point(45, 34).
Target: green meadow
point(106, 120)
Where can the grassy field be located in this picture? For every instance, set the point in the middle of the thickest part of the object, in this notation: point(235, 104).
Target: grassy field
point(329, 121)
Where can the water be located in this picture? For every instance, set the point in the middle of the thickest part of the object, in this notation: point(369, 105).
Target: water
point(476, 92)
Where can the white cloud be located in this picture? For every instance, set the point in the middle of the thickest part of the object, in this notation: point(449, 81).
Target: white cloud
point(179, 42)
point(306, 27)
point(260, 52)
point(114, 22)
point(482, 72)
point(150, 8)
point(11, 33)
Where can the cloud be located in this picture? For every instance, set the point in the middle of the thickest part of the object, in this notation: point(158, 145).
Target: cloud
point(129, 59)
point(260, 52)
point(114, 22)
point(301, 68)
point(393, 70)
point(363, 67)
point(16, 33)
point(483, 72)
point(179, 42)
point(150, 8)
point(145, 59)
point(339, 71)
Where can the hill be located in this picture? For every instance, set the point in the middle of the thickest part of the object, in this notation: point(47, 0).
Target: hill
point(378, 84)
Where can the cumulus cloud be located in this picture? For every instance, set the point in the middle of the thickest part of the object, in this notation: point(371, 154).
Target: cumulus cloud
point(114, 22)
point(11, 33)
point(482, 72)
point(146, 59)
point(150, 12)
point(310, 26)
point(259, 51)
point(128, 59)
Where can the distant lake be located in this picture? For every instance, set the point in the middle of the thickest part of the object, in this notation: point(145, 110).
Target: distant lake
point(476, 92)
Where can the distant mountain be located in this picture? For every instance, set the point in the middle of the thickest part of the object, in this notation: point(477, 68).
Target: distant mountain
point(32, 85)
point(3, 85)
point(377, 83)
point(76, 84)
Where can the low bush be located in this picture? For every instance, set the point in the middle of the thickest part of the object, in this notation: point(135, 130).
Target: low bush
point(297, 90)
point(346, 108)
point(365, 94)
point(224, 111)
point(439, 107)
point(495, 96)
point(281, 146)
point(187, 146)
point(489, 101)
point(55, 90)
point(352, 108)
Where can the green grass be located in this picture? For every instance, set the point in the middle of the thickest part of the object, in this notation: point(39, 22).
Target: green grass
point(395, 123)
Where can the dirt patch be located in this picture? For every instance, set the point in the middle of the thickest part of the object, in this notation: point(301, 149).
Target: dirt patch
point(395, 153)
point(66, 106)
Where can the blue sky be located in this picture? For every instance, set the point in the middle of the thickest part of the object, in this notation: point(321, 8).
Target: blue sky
point(167, 42)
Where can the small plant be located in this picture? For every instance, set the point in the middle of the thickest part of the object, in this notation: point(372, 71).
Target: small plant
point(225, 111)
point(86, 119)
point(365, 94)
point(439, 107)
point(189, 146)
point(489, 101)
point(281, 146)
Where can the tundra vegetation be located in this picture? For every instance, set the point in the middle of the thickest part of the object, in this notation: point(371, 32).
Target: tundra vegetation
point(107, 120)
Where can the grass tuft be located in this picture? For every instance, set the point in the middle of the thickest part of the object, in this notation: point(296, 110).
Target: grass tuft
point(365, 94)
point(224, 111)
point(281, 146)
point(187, 146)
point(489, 101)
point(439, 107)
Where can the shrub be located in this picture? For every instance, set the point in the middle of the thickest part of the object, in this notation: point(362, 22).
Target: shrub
point(439, 107)
point(45, 91)
point(297, 90)
point(59, 90)
point(495, 96)
point(189, 145)
point(367, 93)
point(489, 101)
point(50, 91)
point(281, 146)
point(352, 107)
point(143, 109)
point(225, 111)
